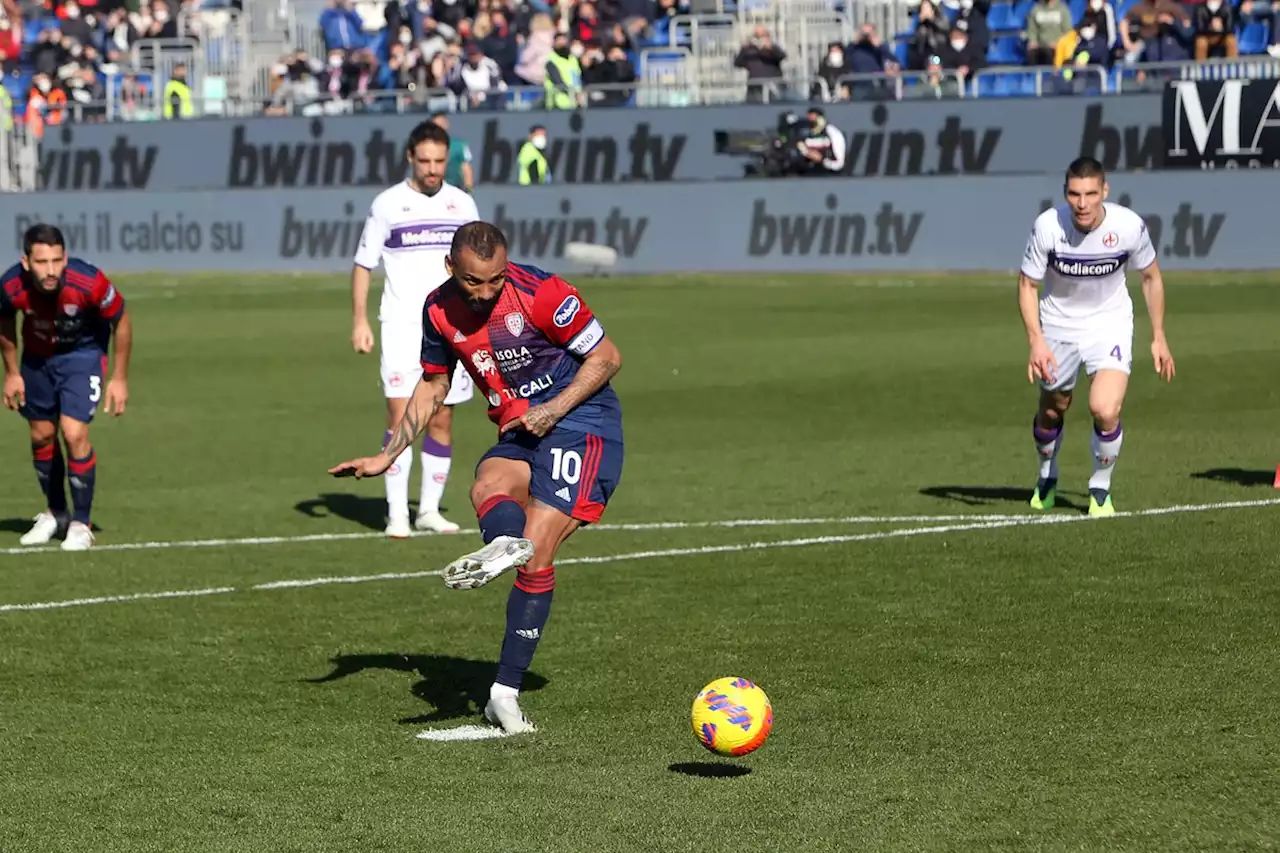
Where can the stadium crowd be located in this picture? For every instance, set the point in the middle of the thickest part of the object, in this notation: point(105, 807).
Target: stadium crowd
point(58, 53)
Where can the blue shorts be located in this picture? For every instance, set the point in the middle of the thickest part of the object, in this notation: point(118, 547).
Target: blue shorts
point(571, 471)
point(65, 384)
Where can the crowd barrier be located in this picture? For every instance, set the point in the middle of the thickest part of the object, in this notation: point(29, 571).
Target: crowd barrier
point(1198, 220)
point(969, 137)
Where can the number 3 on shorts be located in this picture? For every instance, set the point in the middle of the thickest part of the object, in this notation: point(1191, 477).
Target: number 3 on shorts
point(1115, 351)
point(566, 465)
point(95, 389)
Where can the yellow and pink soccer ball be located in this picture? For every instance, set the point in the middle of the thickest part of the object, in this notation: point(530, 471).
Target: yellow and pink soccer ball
point(732, 716)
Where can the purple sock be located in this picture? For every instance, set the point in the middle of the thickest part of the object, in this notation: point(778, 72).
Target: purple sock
point(431, 447)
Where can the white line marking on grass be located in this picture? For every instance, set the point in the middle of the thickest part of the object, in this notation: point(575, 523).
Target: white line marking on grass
point(998, 523)
point(634, 527)
point(458, 733)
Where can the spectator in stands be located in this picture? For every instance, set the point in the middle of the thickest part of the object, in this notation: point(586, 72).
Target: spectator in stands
point(1091, 47)
point(494, 35)
point(532, 68)
point(435, 39)
point(762, 60)
point(396, 15)
point(608, 69)
point(868, 55)
point(1215, 28)
point(1102, 16)
point(1163, 32)
point(586, 23)
point(562, 85)
point(478, 79)
point(961, 55)
point(341, 26)
point(830, 70)
point(177, 95)
point(10, 45)
point(1263, 12)
point(47, 54)
point(74, 24)
point(973, 20)
point(531, 163)
point(929, 36)
point(1047, 22)
point(163, 25)
point(118, 36)
point(409, 72)
point(451, 13)
point(299, 91)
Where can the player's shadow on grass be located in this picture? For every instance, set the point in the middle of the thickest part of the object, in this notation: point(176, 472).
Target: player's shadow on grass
point(1238, 476)
point(985, 495)
point(22, 525)
point(454, 687)
point(370, 512)
point(709, 769)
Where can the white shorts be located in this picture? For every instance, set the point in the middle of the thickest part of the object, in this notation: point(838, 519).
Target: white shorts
point(401, 366)
point(1107, 348)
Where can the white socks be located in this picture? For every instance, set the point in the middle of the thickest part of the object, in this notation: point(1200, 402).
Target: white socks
point(1106, 449)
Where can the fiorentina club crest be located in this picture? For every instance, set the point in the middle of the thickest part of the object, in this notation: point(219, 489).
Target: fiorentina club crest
point(515, 323)
point(1110, 239)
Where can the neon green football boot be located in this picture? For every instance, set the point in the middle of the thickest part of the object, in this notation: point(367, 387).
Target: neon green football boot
point(1044, 495)
point(1103, 509)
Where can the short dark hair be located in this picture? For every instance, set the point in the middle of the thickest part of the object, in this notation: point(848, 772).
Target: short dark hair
point(427, 131)
point(42, 234)
point(1086, 167)
point(482, 238)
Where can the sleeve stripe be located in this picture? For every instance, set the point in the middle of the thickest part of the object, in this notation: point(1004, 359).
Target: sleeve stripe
point(434, 369)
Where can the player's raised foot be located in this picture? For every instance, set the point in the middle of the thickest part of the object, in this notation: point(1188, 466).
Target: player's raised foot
point(44, 529)
point(479, 567)
point(79, 537)
point(398, 527)
point(1100, 504)
point(504, 712)
point(1044, 495)
point(434, 522)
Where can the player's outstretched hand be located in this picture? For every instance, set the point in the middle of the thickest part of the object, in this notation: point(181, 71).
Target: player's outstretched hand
point(15, 392)
point(1042, 364)
point(368, 466)
point(539, 420)
point(362, 337)
point(1163, 360)
point(117, 397)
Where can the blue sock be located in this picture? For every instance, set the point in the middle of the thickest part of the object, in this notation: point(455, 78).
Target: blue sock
point(83, 474)
point(51, 472)
point(500, 515)
point(528, 607)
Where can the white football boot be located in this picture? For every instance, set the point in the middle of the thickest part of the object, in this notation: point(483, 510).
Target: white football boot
point(79, 537)
point(504, 712)
point(398, 526)
point(45, 528)
point(434, 522)
point(479, 567)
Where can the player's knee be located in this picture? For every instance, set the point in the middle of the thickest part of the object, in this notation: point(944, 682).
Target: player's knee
point(76, 437)
point(43, 433)
point(1106, 414)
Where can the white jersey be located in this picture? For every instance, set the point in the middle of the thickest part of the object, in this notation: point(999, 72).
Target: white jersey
point(1084, 272)
point(410, 233)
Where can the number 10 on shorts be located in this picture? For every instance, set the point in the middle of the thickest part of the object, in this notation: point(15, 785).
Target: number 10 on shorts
point(566, 465)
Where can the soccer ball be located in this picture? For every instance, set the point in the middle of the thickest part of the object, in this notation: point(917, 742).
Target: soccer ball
point(732, 716)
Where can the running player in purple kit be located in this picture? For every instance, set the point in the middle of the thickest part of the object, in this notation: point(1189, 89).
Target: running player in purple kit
point(544, 363)
point(71, 312)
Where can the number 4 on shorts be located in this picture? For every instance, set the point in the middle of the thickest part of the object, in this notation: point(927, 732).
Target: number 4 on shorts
point(1115, 351)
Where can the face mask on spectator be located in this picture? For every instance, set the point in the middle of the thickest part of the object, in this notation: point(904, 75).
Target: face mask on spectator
point(160, 15)
point(76, 50)
point(406, 39)
point(540, 142)
point(1214, 5)
point(577, 50)
point(966, 5)
point(835, 58)
point(72, 11)
point(1096, 5)
point(43, 86)
point(958, 44)
point(1087, 33)
point(335, 61)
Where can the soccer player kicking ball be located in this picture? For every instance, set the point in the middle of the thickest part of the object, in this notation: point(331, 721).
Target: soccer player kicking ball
point(70, 313)
point(1085, 317)
point(543, 361)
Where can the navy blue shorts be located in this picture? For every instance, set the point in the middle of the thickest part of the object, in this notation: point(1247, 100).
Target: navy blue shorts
point(571, 471)
point(65, 384)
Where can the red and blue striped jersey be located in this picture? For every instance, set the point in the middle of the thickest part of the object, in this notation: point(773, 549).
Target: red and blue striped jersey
point(525, 352)
point(79, 316)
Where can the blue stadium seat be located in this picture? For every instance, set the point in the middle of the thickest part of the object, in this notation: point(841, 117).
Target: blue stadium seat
point(1006, 50)
point(1020, 12)
point(1001, 17)
point(1254, 37)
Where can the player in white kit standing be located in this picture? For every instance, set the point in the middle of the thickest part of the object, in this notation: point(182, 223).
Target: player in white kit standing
point(409, 230)
point(1084, 317)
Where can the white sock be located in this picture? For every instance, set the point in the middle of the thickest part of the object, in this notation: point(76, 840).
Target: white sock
point(1106, 449)
point(1048, 446)
point(435, 474)
point(499, 691)
point(397, 478)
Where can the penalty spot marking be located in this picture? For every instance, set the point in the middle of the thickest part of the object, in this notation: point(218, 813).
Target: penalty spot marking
point(1020, 521)
point(460, 733)
point(603, 528)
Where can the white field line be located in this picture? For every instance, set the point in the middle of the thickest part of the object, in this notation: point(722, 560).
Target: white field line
point(636, 527)
point(1024, 521)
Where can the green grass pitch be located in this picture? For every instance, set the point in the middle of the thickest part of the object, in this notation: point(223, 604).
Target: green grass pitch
point(1100, 685)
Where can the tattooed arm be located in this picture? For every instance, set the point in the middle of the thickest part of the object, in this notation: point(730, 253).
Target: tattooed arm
point(600, 365)
point(427, 398)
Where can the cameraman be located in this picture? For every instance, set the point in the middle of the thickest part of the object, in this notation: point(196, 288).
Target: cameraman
point(823, 148)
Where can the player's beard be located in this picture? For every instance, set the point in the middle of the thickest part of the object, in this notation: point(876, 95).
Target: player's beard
point(481, 307)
